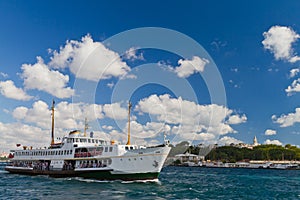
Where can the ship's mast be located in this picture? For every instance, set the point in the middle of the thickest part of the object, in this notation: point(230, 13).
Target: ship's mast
point(52, 128)
point(86, 126)
point(129, 109)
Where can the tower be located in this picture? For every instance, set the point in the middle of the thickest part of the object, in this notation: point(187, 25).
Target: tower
point(255, 142)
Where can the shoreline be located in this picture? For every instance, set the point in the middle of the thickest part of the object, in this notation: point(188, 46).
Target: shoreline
point(278, 165)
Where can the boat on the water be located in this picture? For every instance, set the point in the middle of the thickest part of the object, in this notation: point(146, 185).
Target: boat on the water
point(79, 155)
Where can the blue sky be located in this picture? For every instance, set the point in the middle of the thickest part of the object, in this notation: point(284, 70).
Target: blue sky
point(254, 47)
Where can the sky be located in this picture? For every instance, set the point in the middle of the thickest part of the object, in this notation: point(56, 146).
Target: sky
point(199, 71)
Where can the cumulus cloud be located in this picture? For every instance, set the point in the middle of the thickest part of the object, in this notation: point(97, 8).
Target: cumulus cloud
point(226, 140)
point(23, 134)
point(190, 120)
point(287, 120)
point(279, 40)
point(294, 72)
point(188, 67)
point(294, 87)
point(38, 76)
point(270, 132)
point(67, 115)
point(132, 54)
point(276, 142)
point(115, 111)
point(9, 90)
point(236, 119)
point(89, 60)
point(149, 130)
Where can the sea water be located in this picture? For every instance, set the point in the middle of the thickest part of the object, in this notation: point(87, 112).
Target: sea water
point(173, 183)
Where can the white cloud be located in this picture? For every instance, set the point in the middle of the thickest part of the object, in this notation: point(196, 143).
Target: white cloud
point(149, 130)
point(4, 75)
point(236, 119)
point(234, 69)
point(295, 87)
point(107, 127)
point(279, 40)
point(188, 119)
point(270, 132)
point(226, 140)
point(189, 67)
point(110, 85)
point(14, 133)
point(131, 54)
point(287, 120)
point(294, 72)
point(115, 111)
point(9, 90)
point(39, 77)
point(68, 115)
point(276, 142)
point(89, 60)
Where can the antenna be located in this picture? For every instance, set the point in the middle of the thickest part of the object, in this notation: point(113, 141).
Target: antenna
point(52, 128)
point(129, 109)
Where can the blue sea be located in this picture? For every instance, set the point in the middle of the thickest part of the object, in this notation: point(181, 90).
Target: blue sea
point(173, 183)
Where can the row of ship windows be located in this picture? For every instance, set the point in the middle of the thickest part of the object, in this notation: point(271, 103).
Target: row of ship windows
point(83, 140)
point(43, 153)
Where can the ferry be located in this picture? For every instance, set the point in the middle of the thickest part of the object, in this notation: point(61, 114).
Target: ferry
point(79, 155)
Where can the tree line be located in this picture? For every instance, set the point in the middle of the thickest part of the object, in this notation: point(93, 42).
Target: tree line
point(261, 152)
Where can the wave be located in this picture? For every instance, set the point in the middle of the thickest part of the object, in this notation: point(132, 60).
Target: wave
point(143, 181)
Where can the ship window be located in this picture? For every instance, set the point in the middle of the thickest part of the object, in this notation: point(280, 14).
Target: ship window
point(56, 152)
point(77, 140)
point(131, 147)
point(93, 141)
point(65, 152)
point(126, 148)
point(110, 149)
point(89, 140)
point(70, 151)
point(106, 149)
point(96, 141)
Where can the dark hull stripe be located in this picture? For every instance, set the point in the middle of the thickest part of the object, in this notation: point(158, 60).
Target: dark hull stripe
point(99, 175)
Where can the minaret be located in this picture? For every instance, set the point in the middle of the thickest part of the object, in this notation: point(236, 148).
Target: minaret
point(255, 143)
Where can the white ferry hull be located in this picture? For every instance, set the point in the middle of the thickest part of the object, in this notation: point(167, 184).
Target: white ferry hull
point(141, 164)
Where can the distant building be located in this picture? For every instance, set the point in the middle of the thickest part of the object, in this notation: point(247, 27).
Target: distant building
point(187, 157)
point(249, 146)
